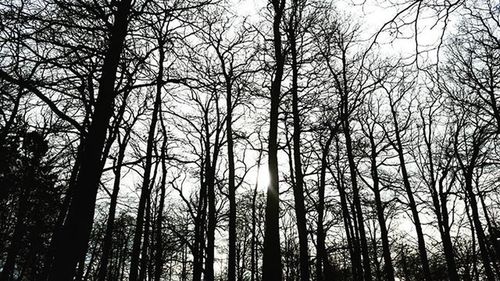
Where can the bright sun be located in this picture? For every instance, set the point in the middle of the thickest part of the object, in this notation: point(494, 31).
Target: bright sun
point(263, 178)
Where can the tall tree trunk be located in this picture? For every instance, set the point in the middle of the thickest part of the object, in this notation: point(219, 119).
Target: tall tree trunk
point(398, 146)
point(108, 236)
point(210, 166)
point(415, 215)
point(145, 243)
point(378, 272)
point(321, 256)
point(199, 230)
point(159, 219)
point(145, 189)
point(494, 249)
point(468, 174)
point(184, 264)
point(231, 271)
point(61, 216)
point(298, 187)
point(388, 267)
point(446, 238)
point(481, 238)
point(352, 241)
point(272, 268)
point(76, 231)
point(345, 112)
point(439, 199)
point(356, 197)
point(211, 225)
point(253, 252)
point(107, 240)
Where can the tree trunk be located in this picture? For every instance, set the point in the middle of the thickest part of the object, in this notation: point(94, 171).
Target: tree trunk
point(210, 166)
point(356, 198)
point(61, 216)
point(492, 239)
point(272, 268)
point(108, 236)
point(199, 230)
point(76, 231)
point(159, 219)
point(145, 190)
point(352, 241)
point(253, 252)
point(321, 256)
point(388, 267)
point(231, 271)
point(145, 243)
point(439, 199)
point(398, 146)
point(298, 190)
point(481, 239)
point(447, 243)
point(209, 261)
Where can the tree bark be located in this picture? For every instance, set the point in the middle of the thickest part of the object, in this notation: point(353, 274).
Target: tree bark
point(352, 241)
point(108, 236)
point(398, 146)
point(145, 190)
point(298, 187)
point(210, 166)
point(76, 231)
point(159, 219)
point(468, 174)
point(481, 238)
point(231, 270)
point(439, 200)
point(199, 230)
point(388, 267)
point(211, 225)
point(253, 253)
point(356, 197)
point(272, 267)
point(321, 255)
point(144, 259)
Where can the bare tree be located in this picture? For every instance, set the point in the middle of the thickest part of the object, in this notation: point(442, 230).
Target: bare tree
point(271, 268)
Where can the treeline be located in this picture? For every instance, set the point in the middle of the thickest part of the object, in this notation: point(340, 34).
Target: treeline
point(183, 140)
